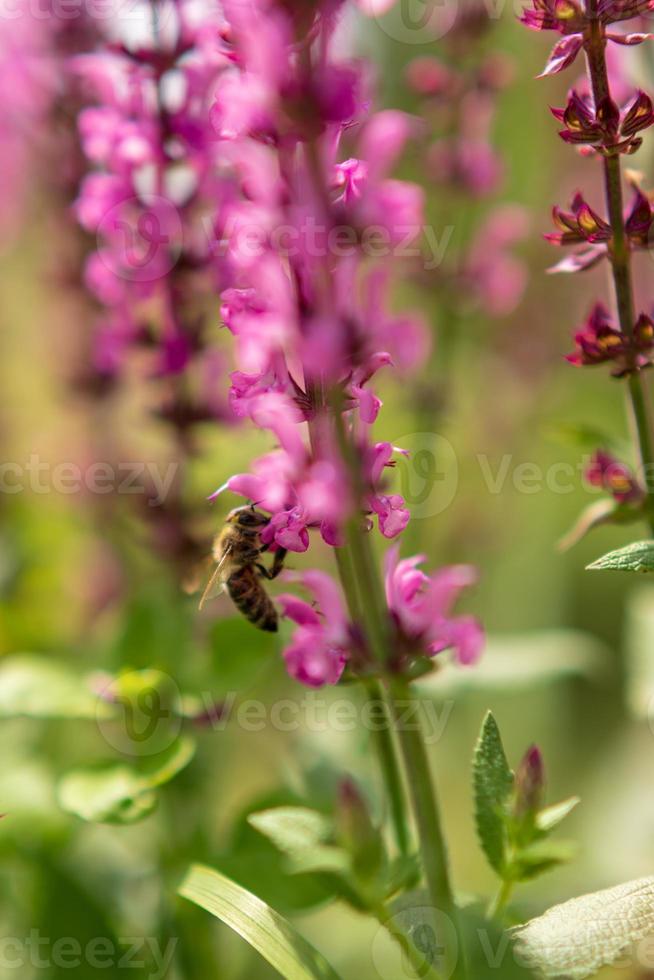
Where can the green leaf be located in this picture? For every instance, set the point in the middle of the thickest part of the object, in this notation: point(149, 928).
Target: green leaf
point(538, 858)
point(263, 928)
point(161, 769)
point(303, 835)
point(40, 687)
point(552, 816)
point(493, 783)
point(122, 794)
point(106, 794)
point(637, 557)
point(252, 860)
point(578, 938)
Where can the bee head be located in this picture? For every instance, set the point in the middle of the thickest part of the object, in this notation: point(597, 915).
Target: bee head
point(247, 517)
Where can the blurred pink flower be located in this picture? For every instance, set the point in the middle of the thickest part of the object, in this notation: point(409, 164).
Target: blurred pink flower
point(422, 607)
point(491, 272)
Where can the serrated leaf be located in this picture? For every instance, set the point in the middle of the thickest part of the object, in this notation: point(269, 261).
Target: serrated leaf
point(303, 835)
point(263, 928)
point(121, 794)
point(40, 687)
point(493, 783)
point(575, 939)
point(636, 557)
point(552, 816)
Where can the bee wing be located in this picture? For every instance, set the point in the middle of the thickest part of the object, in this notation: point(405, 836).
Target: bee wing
point(215, 585)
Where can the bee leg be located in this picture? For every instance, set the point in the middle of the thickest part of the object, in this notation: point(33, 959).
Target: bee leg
point(278, 562)
point(262, 570)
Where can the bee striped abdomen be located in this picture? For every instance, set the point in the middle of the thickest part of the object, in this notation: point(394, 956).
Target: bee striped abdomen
point(249, 596)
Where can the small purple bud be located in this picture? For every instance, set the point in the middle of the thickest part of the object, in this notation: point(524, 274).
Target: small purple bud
point(530, 783)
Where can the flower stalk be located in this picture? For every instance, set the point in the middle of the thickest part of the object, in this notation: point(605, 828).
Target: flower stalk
point(428, 822)
point(620, 255)
point(424, 801)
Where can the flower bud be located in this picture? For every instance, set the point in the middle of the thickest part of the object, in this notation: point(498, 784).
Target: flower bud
point(358, 835)
point(529, 783)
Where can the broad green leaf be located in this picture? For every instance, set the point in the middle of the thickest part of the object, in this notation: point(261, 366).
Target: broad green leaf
point(115, 793)
point(251, 859)
point(40, 687)
point(493, 783)
point(637, 557)
point(303, 835)
point(263, 928)
point(577, 938)
point(293, 829)
point(552, 816)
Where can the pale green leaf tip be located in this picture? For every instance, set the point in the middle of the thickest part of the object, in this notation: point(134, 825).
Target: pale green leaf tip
point(636, 557)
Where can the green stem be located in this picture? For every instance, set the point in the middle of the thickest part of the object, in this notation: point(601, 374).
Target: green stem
point(421, 966)
point(501, 900)
point(620, 257)
point(389, 763)
point(382, 735)
point(427, 814)
point(374, 619)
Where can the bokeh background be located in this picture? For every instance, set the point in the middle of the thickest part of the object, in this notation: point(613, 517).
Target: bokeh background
point(88, 586)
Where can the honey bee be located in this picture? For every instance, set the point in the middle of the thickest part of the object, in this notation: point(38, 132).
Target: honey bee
point(237, 551)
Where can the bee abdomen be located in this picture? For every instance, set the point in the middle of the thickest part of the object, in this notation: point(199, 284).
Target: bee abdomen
point(251, 599)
